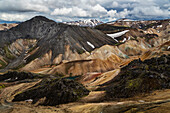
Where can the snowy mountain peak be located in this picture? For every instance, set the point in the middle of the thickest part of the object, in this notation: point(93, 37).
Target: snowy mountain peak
point(88, 22)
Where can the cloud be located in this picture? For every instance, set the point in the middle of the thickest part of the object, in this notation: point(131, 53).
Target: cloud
point(23, 6)
point(148, 12)
point(70, 12)
point(15, 16)
point(115, 4)
point(65, 10)
point(61, 11)
point(112, 13)
point(99, 8)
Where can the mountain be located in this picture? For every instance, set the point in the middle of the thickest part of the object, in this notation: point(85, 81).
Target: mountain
point(121, 67)
point(144, 24)
point(47, 36)
point(87, 23)
point(124, 29)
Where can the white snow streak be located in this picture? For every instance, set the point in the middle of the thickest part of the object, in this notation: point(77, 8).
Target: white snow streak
point(159, 26)
point(168, 47)
point(129, 38)
point(90, 44)
point(124, 40)
point(29, 100)
point(116, 40)
point(83, 48)
point(118, 34)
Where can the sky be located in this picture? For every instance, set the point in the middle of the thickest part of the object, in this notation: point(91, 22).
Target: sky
point(73, 10)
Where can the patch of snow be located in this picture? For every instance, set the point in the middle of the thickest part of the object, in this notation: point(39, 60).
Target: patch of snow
point(168, 47)
point(141, 101)
point(118, 34)
point(83, 49)
point(88, 22)
point(90, 44)
point(116, 40)
point(129, 38)
point(8, 79)
point(159, 26)
point(124, 40)
point(29, 100)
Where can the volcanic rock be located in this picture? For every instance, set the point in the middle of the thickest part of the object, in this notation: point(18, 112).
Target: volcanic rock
point(13, 76)
point(140, 77)
point(53, 91)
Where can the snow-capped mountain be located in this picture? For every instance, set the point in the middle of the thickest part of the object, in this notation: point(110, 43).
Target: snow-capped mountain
point(89, 22)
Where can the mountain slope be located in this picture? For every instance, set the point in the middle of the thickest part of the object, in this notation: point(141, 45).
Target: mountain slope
point(55, 37)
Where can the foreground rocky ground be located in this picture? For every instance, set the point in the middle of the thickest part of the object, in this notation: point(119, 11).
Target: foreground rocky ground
point(140, 77)
point(157, 102)
point(141, 86)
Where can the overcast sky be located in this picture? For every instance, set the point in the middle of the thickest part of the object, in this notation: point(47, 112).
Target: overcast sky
point(71, 10)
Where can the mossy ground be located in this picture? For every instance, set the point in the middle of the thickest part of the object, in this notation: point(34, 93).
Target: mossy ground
point(8, 54)
point(3, 64)
point(55, 90)
point(140, 78)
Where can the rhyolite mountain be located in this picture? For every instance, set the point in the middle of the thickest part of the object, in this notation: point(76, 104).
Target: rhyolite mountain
point(55, 34)
point(51, 36)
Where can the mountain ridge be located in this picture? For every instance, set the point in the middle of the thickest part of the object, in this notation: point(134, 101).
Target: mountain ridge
point(52, 36)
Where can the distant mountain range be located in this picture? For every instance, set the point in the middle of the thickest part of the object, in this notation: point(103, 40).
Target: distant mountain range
point(89, 22)
point(8, 22)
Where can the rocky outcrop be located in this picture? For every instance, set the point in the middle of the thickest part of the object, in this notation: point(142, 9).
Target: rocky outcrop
point(13, 76)
point(140, 77)
point(53, 91)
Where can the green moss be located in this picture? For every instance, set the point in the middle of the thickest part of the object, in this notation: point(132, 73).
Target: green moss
point(134, 83)
point(3, 64)
point(119, 43)
point(80, 51)
point(8, 54)
point(19, 92)
point(2, 86)
point(146, 67)
point(59, 74)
